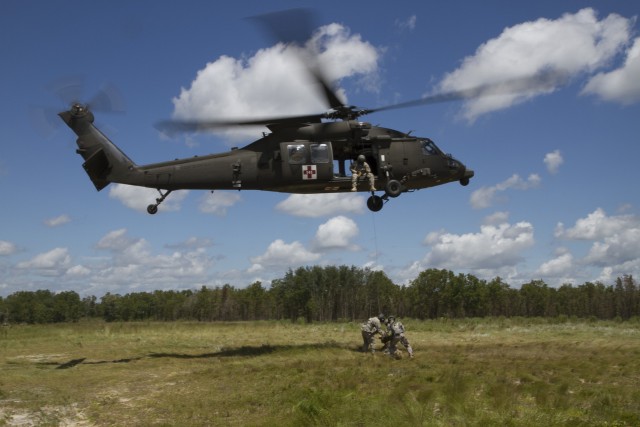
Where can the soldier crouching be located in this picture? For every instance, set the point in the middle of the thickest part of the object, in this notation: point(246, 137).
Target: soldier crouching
point(396, 334)
point(369, 329)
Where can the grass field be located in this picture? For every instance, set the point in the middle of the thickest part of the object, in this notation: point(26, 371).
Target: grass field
point(520, 372)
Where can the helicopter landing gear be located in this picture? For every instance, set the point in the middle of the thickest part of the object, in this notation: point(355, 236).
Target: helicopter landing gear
point(153, 208)
point(393, 188)
point(375, 203)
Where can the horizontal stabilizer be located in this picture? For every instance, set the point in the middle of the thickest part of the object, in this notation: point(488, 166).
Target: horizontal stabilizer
point(97, 167)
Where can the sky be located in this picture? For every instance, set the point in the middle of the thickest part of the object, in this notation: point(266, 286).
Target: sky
point(554, 196)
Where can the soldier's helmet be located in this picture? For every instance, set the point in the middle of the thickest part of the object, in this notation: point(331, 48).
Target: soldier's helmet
point(361, 158)
point(381, 317)
point(391, 319)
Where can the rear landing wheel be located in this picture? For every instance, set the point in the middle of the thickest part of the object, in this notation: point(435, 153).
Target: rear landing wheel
point(375, 203)
point(152, 209)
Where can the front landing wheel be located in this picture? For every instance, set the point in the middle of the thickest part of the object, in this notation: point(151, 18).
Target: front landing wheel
point(375, 203)
point(152, 209)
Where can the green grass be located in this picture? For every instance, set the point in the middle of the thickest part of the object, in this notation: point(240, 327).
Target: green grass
point(472, 372)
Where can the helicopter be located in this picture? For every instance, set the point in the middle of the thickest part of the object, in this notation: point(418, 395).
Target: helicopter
point(306, 154)
point(298, 156)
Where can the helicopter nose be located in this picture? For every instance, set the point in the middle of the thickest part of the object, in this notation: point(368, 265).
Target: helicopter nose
point(468, 173)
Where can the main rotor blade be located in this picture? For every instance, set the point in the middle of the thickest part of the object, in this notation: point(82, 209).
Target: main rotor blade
point(177, 126)
point(537, 82)
point(296, 26)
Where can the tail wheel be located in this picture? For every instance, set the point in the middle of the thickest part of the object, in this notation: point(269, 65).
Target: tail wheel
point(393, 188)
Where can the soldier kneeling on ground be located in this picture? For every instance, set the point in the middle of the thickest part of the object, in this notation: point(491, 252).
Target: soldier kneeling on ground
point(395, 335)
point(369, 329)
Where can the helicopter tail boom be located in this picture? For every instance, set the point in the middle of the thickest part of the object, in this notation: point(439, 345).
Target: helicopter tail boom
point(104, 161)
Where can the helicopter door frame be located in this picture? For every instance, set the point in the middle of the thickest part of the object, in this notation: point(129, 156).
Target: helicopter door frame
point(307, 161)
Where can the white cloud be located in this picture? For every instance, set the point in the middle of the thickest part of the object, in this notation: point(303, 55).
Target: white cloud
point(560, 266)
point(553, 161)
point(318, 205)
point(615, 247)
point(138, 198)
point(133, 264)
point(567, 46)
point(274, 82)
point(496, 218)
point(494, 247)
point(219, 202)
point(407, 24)
point(336, 234)
point(192, 243)
point(115, 240)
point(281, 254)
point(51, 263)
point(597, 225)
point(7, 248)
point(58, 221)
point(78, 271)
point(484, 197)
point(621, 85)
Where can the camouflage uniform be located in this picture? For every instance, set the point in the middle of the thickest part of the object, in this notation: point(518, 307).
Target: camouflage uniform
point(369, 329)
point(396, 330)
point(361, 170)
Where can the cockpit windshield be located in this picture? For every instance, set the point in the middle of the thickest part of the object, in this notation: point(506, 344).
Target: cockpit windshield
point(429, 147)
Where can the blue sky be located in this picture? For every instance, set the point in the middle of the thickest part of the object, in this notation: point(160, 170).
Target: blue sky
point(554, 197)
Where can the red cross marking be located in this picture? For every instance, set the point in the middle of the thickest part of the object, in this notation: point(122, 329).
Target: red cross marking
point(309, 172)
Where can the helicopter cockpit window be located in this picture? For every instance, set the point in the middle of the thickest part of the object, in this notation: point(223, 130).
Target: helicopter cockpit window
point(297, 154)
point(319, 153)
point(428, 147)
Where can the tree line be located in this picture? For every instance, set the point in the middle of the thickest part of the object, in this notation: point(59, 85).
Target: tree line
point(336, 293)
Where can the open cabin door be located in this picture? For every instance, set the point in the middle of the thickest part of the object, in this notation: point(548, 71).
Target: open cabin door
point(306, 161)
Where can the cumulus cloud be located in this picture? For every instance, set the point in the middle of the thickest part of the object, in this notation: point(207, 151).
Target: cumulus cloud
point(553, 161)
point(615, 247)
point(337, 233)
point(52, 263)
point(598, 225)
point(219, 202)
point(496, 218)
point(533, 49)
point(138, 198)
point(7, 248)
point(493, 247)
point(319, 205)
point(281, 254)
point(560, 266)
point(621, 85)
point(134, 263)
point(57, 221)
point(484, 197)
point(274, 82)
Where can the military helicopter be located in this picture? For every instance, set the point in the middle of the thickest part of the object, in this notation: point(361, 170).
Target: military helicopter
point(305, 154)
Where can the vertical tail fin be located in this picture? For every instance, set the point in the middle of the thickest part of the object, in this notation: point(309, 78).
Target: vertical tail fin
point(104, 161)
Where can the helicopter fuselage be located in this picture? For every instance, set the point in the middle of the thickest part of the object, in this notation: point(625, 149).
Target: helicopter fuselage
point(307, 158)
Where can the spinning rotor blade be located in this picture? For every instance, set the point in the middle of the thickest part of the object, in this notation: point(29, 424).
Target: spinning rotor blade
point(177, 126)
point(69, 90)
point(296, 26)
point(519, 86)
